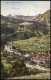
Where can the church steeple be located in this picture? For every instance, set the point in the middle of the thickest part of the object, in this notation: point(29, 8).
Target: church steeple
point(11, 44)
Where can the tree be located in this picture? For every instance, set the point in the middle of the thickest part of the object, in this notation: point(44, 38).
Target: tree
point(3, 72)
point(5, 53)
point(2, 66)
point(9, 61)
point(18, 69)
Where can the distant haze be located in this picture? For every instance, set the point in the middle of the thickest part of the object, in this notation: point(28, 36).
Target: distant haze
point(26, 8)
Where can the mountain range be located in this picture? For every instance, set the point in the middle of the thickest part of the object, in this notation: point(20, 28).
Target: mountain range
point(44, 19)
point(26, 18)
point(21, 29)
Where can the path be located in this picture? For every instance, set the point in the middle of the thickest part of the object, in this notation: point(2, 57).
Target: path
point(37, 66)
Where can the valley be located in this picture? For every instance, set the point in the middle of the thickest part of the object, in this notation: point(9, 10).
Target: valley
point(25, 46)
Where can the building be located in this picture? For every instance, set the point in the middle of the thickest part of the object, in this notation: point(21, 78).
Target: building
point(27, 55)
point(4, 58)
point(9, 47)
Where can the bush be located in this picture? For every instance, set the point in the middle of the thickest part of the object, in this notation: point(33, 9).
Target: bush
point(18, 69)
point(2, 66)
point(3, 72)
point(5, 53)
point(35, 71)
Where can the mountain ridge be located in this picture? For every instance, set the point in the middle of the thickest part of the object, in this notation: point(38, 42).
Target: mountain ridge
point(27, 18)
point(21, 32)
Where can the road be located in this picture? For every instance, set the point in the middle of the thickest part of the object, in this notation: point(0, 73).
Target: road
point(37, 67)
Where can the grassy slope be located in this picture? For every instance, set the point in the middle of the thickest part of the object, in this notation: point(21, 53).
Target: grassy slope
point(6, 65)
point(38, 76)
point(44, 19)
point(34, 44)
point(11, 27)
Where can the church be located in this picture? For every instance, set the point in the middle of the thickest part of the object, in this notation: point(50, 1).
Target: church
point(9, 47)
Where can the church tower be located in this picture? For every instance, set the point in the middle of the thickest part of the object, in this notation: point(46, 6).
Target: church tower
point(11, 44)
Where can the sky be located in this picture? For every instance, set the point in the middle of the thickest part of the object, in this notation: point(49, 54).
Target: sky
point(26, 8)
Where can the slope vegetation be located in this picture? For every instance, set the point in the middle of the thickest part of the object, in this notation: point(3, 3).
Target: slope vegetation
point(11, 27)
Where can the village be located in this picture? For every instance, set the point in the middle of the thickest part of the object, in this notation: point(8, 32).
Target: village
point(30, 61)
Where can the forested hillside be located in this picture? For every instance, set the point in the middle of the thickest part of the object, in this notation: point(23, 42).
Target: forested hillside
point(10, 27)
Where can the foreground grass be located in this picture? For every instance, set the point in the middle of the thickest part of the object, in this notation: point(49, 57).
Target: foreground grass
point(38, 76)
point(6, 65)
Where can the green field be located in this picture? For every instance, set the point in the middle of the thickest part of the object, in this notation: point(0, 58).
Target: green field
point(34, 44)
point(38, 76)
point(6, 65)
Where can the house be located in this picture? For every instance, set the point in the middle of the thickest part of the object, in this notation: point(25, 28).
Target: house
point(27, 62)
point(38, 63)
point(4, 58)
point(27, 55)
point(47, 61)
point(13, 61)
point(48, 57)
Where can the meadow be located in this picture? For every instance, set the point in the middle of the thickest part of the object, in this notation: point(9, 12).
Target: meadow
point(6, 65)
point(35, 44)
point(37, 76)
